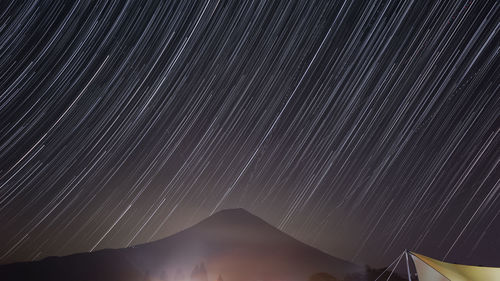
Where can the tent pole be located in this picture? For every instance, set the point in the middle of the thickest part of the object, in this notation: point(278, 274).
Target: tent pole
point(398, 259)
point(407, 265)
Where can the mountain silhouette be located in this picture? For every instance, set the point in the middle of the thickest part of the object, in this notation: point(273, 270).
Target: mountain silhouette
point(232, 243)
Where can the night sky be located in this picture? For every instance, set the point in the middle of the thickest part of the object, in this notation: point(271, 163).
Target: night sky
point(361, 127)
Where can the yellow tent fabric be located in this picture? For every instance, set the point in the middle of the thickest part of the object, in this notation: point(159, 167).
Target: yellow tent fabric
point(429, 269)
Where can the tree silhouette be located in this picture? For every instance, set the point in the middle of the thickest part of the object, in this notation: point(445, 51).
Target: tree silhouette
point(199, 273)
point(371, 274)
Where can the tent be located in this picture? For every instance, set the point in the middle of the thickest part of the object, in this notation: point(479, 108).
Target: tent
point(429, 269)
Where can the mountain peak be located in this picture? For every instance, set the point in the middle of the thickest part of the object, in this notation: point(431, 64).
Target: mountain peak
point(235, 211)
point(233, 218)
point(240, 212)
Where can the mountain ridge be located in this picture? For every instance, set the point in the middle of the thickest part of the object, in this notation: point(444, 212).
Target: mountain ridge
point(231, 242)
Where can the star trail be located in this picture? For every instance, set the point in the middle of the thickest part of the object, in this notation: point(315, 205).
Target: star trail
point(359, 127)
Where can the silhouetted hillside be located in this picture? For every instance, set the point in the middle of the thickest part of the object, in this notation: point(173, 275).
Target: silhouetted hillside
point(232, 243)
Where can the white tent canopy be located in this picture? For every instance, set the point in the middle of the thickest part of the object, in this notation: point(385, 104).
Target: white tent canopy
point(429, 269)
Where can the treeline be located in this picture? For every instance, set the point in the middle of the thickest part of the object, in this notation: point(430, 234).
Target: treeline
point(199, 273)
point(370, 274)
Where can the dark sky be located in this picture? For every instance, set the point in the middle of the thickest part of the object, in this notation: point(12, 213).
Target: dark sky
point(360, 127)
